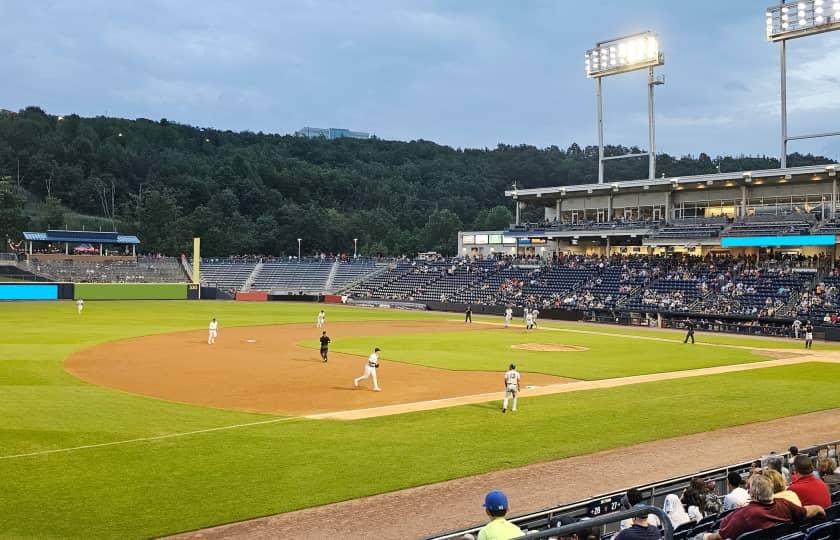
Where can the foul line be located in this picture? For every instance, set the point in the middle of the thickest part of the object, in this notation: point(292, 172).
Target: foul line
point(147, 439)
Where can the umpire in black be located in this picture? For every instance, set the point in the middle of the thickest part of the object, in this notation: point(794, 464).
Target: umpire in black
point(689, 326)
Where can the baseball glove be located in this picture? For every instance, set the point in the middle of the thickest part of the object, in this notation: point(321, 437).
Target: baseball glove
point(376, 366)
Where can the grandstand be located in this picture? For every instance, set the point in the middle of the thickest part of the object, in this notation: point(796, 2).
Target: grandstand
point(602, 512)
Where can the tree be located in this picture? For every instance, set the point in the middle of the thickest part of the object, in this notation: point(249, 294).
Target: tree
point(157, 223)
point(12, 218)
point(493, 219)
point(441, 232)
point(53, 214)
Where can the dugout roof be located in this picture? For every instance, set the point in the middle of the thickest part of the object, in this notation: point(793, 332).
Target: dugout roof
point(82, 237)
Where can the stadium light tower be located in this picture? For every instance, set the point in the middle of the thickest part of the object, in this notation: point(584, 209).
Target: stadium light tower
point(795, 19)
point(299, 239)
point(622, 55)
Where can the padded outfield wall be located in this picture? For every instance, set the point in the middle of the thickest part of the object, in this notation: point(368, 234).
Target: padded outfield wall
point(131, 291)
point(29, 291)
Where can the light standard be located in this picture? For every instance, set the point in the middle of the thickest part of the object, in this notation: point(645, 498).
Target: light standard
point(620, 55)
point(791, 20)
point(299, 239)
point(355, 243)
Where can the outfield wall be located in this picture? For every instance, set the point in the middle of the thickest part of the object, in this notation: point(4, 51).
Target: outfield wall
point(29, 291)
point(131, 291)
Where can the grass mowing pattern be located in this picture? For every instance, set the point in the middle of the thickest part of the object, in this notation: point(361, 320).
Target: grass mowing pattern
point(490, 350)
point(153, 488)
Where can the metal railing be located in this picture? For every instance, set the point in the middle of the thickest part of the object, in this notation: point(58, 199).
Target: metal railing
point(636, 511)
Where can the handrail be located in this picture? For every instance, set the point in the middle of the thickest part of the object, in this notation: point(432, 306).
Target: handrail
point(636, 511)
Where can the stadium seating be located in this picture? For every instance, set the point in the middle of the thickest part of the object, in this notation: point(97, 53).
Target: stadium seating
point(293, 276)
point(226, 275)
point(141, 270)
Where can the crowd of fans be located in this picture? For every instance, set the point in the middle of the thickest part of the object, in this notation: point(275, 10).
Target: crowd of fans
point(785, 493)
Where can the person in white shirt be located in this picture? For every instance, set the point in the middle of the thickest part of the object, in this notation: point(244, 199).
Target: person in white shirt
point(675, 510)
point(508, 316)
point(737, 496)
point(370, 370)
point(529, 321)
point(534, 314)
point(525, 316)
point(80, 305)
point(213, 331)
point(322, 318)
point(797, 325)
point(512, 379)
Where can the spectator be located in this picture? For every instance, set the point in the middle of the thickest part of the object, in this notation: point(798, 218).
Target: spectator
point(583, 534)
point(639, 530)
point(762, 512)
point(496, 506)
point(811, 490)
point(775, 461)
point(780, 489)
point(737, 496)
point(675, 510)
point(827, 468)
point(793, 451)
point(710, 499)
point(693, 501)
point(634, 498)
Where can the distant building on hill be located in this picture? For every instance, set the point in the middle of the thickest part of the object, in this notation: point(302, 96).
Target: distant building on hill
point(331, 133)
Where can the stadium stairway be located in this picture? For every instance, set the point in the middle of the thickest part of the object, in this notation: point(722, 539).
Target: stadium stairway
point(252, 277)
point(331, 277)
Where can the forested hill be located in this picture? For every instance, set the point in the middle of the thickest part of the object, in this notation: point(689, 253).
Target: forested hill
point(258, 193)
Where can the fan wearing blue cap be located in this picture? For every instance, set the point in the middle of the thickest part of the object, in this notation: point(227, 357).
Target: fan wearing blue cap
point(496, 506)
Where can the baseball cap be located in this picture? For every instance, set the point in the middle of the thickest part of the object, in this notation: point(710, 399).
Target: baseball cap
point(495, 501)
point(513, 366)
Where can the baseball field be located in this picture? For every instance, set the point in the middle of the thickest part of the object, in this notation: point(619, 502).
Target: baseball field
point(123, 422)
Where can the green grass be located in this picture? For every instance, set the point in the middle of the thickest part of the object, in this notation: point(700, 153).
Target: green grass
point(490, 350)
point(152, 488)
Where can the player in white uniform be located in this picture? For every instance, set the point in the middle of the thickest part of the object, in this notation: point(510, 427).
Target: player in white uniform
point(512, 378)
point(322, 317)
point(213, 331)
point(534, 314)
point(80, 305)
point(529, 321)
point(525, 316)
point(370, 370)
point(508, 316)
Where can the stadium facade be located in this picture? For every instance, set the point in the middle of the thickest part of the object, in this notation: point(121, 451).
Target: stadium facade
point(791, 209)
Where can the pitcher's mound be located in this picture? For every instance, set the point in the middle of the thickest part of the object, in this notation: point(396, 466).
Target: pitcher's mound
point(548, 347)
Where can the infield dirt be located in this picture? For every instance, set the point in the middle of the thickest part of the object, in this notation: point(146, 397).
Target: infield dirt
point(262, 369)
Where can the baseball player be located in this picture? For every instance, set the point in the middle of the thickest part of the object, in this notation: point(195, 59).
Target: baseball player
point(525, 316)
point(80, 305)
point(325, 345)
point(322, 318)
point(213, 331)
point(508, 316)
point(809, 335)
point(529, 321)
point(370, 370)
point(534, 314)
point(468, 315)
point(512, 378)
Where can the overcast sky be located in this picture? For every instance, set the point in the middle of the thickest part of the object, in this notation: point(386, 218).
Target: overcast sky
point(467, 73)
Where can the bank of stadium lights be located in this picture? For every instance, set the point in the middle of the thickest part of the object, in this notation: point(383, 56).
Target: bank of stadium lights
point(622, 55)
point(795, 19)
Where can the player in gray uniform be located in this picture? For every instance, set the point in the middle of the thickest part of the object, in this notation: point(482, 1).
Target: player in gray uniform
point(512, 378)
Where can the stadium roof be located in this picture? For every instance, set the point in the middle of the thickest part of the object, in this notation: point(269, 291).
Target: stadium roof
point(728, 179)
point(81, 237)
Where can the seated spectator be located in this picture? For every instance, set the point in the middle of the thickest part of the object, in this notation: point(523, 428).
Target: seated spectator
point(711, 502)
point(639, 530)
point(762, 512)
point(827, 468)
point(675, 511)
point(633, 499)
point(775, 461)
point(737, 496)
point(811, 490)
point(496, 506)
point(780, 489)
point(693, 501)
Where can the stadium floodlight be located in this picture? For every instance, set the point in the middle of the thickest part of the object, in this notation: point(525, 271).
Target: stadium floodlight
point(800, 18)
point(622, 55)
point(794, 19)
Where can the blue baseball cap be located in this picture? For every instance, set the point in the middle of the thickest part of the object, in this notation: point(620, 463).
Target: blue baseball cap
point(495, 501)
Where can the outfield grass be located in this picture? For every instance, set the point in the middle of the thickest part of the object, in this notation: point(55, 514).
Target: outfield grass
point(490, 350)
point(150, 488)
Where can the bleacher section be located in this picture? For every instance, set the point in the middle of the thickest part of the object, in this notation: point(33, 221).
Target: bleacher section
point(351, 271)
point(142, 270)
point(691, 229)
point(293, 276)
point(226, 275)
point(789, 225)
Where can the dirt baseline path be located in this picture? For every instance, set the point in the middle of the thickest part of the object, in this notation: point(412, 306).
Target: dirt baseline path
point(261, 369)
